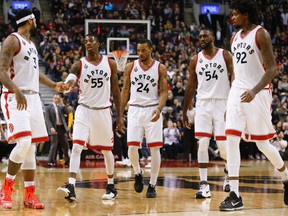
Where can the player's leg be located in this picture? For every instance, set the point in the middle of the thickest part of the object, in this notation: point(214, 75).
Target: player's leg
point(29, 169)
point(111, 191)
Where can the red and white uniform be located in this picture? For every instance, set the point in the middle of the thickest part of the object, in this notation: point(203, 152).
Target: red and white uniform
point(212, 93)
point(144, 99)
point(24, 72)
point(253, 118)
point(93, 119)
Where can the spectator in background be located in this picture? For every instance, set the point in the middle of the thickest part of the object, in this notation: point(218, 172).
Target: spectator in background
point(171, 140)
point(280, 144)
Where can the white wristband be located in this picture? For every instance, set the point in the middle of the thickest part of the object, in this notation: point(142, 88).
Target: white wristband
point(70, 77)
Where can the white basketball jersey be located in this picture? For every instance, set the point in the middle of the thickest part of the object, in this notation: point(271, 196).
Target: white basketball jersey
point(95, 83)
point(212, 76)
point(144, 84)
point(247, 60)
point(24, 70)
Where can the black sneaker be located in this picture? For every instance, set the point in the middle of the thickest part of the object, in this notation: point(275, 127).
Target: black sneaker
point(69, 190)
point(139, 185)
point(231, 203)
point(285, 192)
point(111, 192)
point(151, 192)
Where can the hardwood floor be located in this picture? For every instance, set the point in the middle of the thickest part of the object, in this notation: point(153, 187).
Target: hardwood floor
point(260, 188)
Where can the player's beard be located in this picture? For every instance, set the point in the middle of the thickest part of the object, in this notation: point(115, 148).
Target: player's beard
point(206, 44)
point(33, 31)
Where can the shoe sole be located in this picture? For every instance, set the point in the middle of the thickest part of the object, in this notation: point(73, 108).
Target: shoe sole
point(65, 191)
point(139, 190)
point(151, 195)
point(111, 198)
point(231, 209)
point(200, 196)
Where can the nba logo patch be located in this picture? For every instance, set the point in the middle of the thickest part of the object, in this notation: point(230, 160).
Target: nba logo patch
point(23, 42)
point(135, 69)
point(11, 127)
point(201, 60)
point(85, 66)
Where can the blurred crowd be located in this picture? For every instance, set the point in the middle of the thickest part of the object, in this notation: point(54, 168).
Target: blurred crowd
point(61, 44)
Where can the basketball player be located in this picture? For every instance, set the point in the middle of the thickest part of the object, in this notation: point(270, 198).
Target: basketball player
point(145, 81)
point(21, 105)
point(249, 101)
point(97, 78)
point(210, 69)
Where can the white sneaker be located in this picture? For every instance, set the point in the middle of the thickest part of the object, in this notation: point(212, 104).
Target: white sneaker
point(111, 192)
point(204, 191)
point(127, 162)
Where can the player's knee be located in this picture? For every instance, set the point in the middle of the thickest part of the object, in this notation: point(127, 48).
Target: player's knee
point(107, 153)
point(263, 146)
point(21, 149)
point(77, 149)
point(155, 151)
point(203, 144)
point(30, 161)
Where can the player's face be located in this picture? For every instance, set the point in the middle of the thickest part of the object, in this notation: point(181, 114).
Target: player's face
point(237, 18)
point(91, 43)
point(144, 52)
point(205, 39)
point(33, 29)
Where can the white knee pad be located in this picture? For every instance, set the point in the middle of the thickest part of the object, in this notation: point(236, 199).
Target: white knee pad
point(30, 160)
point(222, 148)
point(20, 150)
point(109, 161)
point(203, 156)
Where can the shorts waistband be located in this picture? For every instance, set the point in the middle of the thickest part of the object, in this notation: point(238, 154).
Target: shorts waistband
point(95, 108)
point(29, 92)
point(143, 106)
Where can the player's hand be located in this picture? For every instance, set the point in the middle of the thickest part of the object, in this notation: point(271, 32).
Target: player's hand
point(155, 115)
point(186, 123)
point(21, 100)
point(120, 125)
point(67, 86)
point(59, 87)
point(247, 96)
point(53, 131)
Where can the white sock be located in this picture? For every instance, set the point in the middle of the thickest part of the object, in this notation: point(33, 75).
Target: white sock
point(12, 177)
point(203, 172)
point(72, 180)
point(28, 183)
point(110, 180)
point(235, 186)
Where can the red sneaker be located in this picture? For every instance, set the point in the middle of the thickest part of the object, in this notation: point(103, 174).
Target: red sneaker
point(5, 194)
point(30, 200)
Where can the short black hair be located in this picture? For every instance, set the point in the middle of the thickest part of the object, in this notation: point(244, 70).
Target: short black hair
point(246, 6)
point(22, 13)
point(93, 35)
point(147, 41)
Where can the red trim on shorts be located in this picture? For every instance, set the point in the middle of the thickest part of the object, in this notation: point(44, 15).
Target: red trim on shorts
point(220, 138)
point(6, 105)
point(154, 144)
point(108, 148)
point(80, 142)
point(19, 135)
point(133, 143)
point(262, 137)
point(40, 139)
point(233, 132)
point(202, 134)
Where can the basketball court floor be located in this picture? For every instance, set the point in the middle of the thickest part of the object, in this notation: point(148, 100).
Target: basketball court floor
point(261, 191)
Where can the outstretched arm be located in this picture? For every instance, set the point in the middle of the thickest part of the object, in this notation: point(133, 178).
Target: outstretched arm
point(190, 89)
point(125, 93)
point(264, 42)
point(116, 96)
point(163, 93)
point(9, 48)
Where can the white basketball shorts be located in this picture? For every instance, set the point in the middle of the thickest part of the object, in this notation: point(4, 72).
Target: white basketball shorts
point(21, 123)
point(252, 118)
point(139, 124)
point(209, 118)
point(93, 128)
